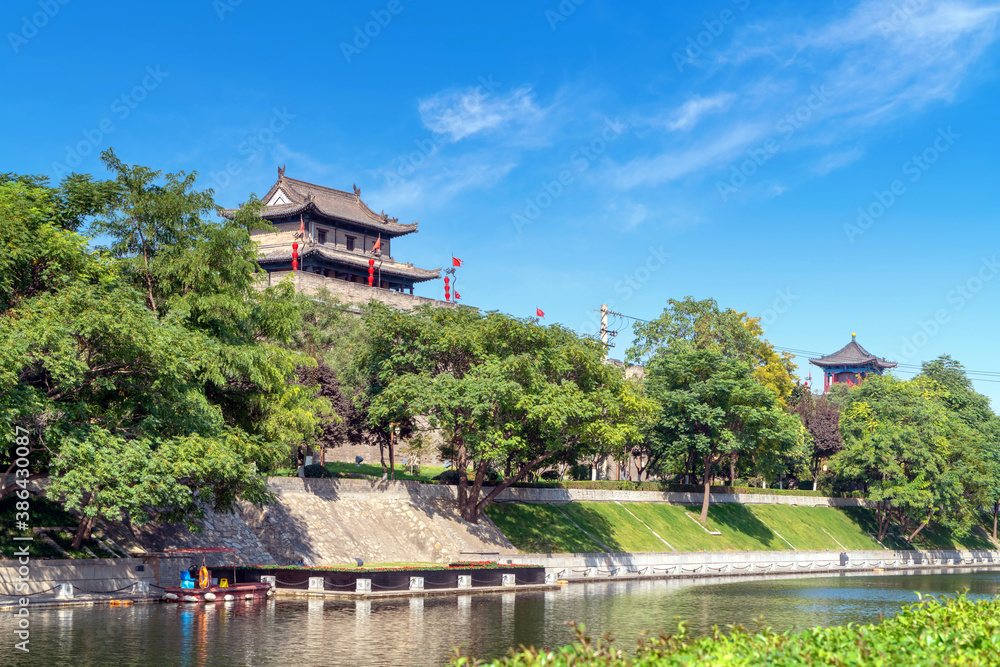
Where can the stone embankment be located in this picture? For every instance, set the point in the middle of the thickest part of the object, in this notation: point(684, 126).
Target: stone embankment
point(605, 566)
point(88, 581)
point(334, 521)
point(329, 522)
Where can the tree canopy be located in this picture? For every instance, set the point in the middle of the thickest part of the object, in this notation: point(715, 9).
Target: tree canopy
point(142, 369)
point(712, 410)
point(911, 454)
point(506, 393)
point(702, 325)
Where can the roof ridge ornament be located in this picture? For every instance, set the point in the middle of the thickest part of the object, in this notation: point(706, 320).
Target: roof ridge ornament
point(357, 191)
point(281, 172)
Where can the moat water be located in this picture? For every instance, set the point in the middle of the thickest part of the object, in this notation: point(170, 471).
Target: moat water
point(423, 631)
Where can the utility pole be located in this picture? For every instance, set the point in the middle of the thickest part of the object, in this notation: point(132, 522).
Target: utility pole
point(604, 327)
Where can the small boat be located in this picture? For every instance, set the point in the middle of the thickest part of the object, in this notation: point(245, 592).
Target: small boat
point(203, 589)
point(250, 591)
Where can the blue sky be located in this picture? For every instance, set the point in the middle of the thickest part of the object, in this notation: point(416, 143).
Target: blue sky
point(826, 166)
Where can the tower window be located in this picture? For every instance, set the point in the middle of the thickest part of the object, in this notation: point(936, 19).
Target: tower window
point(321, 237)
point(350, 243)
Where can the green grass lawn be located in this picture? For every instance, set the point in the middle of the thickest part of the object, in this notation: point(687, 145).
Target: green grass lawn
point(612, 524)
point(740, 529)
point(816, 528)
point(539, 529)
point(545, 528)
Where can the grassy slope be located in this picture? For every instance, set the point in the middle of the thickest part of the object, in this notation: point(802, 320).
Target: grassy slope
point(545, 528)
point(540, 529)
point(42, 513)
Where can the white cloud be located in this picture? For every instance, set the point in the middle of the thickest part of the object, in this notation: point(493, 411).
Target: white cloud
point(675, 164)
point(688, 115)
point(834, 161)
point(433, 187)
point(881, 61)
point(461, 114)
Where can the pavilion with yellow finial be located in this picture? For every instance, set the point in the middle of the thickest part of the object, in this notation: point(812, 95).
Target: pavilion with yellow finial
point(850, 365)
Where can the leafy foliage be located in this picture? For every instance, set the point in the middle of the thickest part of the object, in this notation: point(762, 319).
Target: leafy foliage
point(821, 419)
point(702, 325)
point(141, 370)
point(713, 410)
point(933, 631)
point(906, 449)
point(506, 393)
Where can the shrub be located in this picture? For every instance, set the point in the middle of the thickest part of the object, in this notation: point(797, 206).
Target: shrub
point(447, 477)
point(934, 631)
point(316, 470)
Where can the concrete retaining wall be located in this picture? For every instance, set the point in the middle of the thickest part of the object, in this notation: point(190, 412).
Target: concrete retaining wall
point(357, 489)
point(593, 566)
point(96, 576)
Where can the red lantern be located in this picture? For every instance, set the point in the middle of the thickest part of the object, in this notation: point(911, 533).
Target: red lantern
point(447, 289)
point(371, 272)
point(295, 256)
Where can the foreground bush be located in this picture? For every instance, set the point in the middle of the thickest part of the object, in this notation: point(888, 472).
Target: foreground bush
point(934, 631)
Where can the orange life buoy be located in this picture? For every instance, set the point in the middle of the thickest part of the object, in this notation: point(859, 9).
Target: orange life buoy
point(203, 579)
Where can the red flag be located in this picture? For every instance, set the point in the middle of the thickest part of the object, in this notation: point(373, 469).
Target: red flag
point(538, 311)
point(377, 248)
point(455, 261)
point(457, 295)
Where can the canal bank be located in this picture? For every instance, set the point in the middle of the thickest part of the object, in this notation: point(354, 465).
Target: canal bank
point(105, 581)
point(612, 566)
point(425, 630)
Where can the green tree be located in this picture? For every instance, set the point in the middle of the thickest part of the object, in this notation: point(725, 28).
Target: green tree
point(505, 393)
point(821, 419)
point(702, 325)
point(712, 408)
point(151, 354)
point(904, 447)
point(981, 463)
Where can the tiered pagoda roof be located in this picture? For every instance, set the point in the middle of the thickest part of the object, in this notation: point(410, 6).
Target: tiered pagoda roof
point(852, 354)
point(292, 197)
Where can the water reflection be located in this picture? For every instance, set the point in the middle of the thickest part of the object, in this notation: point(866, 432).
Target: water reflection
point(422, 631)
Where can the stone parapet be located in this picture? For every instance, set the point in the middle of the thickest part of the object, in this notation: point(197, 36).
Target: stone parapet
point(351, 293)
point(360, 488)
